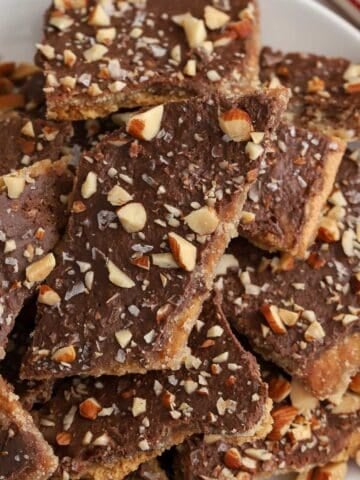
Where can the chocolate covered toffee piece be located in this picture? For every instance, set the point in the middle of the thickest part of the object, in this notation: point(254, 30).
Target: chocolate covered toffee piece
point(305, 433)
point(100, 56)
point(24, 454)
point(104, 428)
point(150, 220)
point(305, 316)
point(25, 141)
point(33, 206)
point(326, 91)
point(284, 205)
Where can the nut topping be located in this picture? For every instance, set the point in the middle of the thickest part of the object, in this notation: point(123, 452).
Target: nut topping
point(203, 221)
point(15, 186)
point(90, 408)
point(272, 316)
point(48, 296)
point(132, 217)
point(215, 18)
point(89, 187)
point(118, 277)
point(183, 251)
point(40, 270)
point(236, 124)
point(64, 354)
point(146, 125)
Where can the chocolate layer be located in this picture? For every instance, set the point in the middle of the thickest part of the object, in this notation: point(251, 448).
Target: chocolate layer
point(142, 320)
point(24, 453)
point(30, 226)
point(315, 336)
point(25, 141)
point(285, 203)
point(305, 433)
point(326, 91)
point(99, 58)
point(108, 426)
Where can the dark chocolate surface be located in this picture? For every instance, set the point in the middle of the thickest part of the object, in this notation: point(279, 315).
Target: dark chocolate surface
point(19, 150)
point(321, 95)
point(291, 177)
point(181, 170)
point(219, 391)
point(324, 285)
point(140, 56)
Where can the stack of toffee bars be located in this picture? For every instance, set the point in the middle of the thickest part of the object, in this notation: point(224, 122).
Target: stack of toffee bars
point(172, 199)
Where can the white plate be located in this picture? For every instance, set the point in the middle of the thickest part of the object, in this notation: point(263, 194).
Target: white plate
point(298, 25)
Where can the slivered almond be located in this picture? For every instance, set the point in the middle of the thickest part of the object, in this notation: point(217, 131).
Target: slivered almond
point(64, 354)
point(283, 417)
point(215, 18)
point(271, 314)
point(203, 221)
point(89, 187)
point(164, 260)
point(279, 389)
point(90, 408)
point(146, 125)
point(118, 277)
point(48, 296)
point(183, 251)
point(236, 124)
point(41, 269)
point(132, 217)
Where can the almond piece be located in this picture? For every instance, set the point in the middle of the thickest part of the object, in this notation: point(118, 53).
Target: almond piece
point(118, 277)
point(146, 125)
point(139, 406)
point(328, 231)
point(15, 186)
point(355, 384)
point(95, 53)
point(28, 129)
point(63, 438)
point(227, 261)
point(106, 35)
point(232, 459)
point(61, 22)
point(183, 251)
point(253, 151)
point(289, 318)
point(241, 29)
point(271, 314)
point(214, 18)
point(283, 417)
point(203, 221)
point(132, 217)
point(350, 403)
point(64, 354)
point(142, 262)
point(90, 408)
point(89, 187)
point(195, 31)
point(123, 337)
point(314, 332)
point(40, 270)
point(190, 68)
point(279, 389)
point(118, 196)
point(303, 400)
point(164, 260)
point(98, 17)
point(315, 85)
point(236, 124)
point(48, 296)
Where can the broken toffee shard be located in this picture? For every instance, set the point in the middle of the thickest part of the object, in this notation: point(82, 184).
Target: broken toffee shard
point(130, 54)
point(150, 220)
point(33, 202)
point(24, 454)
point(325, 91)
point(107, 427)
point(285, 204)
point(304, 316)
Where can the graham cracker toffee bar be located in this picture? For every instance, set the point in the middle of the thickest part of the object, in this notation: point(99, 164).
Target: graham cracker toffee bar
point(305, 316)
point(33, 205)
point(100, 56)
point(325, 91)
point(150, 219)
point(24, 454)
point(285, 204)
point(106, 427)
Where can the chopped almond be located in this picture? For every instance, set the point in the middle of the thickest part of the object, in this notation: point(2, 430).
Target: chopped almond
point(183, 251)
point(236, 124)
point(146, 125)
